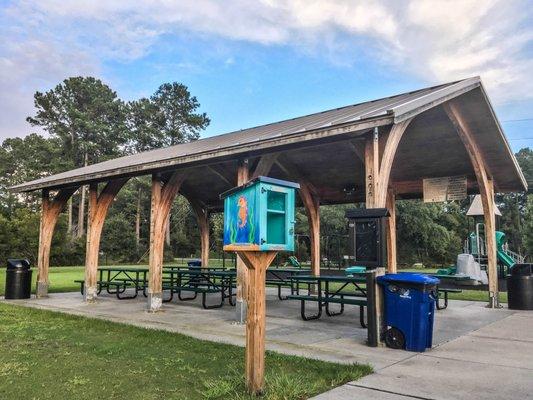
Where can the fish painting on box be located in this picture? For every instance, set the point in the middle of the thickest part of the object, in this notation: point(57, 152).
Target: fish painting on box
point(241, 219)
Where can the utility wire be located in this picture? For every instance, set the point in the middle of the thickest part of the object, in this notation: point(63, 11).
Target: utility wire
point(518, 120)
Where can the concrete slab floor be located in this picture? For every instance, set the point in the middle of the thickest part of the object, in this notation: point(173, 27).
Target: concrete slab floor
point(492, 362)
point(468, 340)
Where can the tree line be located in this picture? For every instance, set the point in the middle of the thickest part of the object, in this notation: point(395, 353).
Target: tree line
point(86, 122)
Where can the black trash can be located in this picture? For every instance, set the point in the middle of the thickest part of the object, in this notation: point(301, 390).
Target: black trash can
point(18, 279)
point(520, 287)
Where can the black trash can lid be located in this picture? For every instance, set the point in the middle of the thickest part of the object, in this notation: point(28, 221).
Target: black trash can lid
point(18, 263)
point(521, 269)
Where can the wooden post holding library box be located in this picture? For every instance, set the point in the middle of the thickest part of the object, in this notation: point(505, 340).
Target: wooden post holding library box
point(258, 223)
point(259, 216)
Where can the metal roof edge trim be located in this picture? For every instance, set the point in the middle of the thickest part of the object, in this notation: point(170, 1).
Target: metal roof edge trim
point(214, 153)
point(502, 135)
point(433, 99)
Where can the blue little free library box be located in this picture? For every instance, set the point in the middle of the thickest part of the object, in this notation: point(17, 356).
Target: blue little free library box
point(259, 215)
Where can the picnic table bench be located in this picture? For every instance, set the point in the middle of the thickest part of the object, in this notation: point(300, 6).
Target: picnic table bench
point(325, 295)
point(202, 282)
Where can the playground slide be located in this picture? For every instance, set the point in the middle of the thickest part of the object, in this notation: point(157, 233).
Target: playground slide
point(504, 258)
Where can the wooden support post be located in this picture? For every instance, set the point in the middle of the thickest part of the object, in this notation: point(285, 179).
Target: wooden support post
point(312, 209)
point(202, 216)
point(375, 307)
point(486, 189)
point(391, 233)
point(371, 168)
point(98, 207)
point(163, 193)
point(243, 174)
point(378, 195)
point(49, 214)
point(256, 263)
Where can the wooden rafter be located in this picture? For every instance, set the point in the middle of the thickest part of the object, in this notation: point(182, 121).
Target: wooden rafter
point(221, 173)
point(264, 165)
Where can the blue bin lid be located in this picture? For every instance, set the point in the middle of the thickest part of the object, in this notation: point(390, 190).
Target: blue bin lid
point(408, 277)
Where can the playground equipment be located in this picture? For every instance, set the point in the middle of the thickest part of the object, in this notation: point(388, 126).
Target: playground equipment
point(471, 266)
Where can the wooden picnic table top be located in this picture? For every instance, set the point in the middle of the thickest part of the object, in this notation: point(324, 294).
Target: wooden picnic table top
point(123, 269)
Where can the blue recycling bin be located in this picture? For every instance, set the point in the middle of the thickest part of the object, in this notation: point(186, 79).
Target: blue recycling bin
point(409, 310)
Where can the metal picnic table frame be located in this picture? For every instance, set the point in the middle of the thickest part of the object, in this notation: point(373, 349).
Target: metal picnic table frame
point(325, 295)
point(281, 280)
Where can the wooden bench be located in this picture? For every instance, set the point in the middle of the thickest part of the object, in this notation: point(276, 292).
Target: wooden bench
point(445, 291)
point(321, 301)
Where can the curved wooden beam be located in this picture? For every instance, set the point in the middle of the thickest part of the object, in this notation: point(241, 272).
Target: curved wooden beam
point(387, 159)
point(486, 190)
point(98, 207)
point(311, 202)
point(163, 193)
point(49, 215)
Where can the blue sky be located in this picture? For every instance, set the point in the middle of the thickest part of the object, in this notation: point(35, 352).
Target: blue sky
point(250, 63)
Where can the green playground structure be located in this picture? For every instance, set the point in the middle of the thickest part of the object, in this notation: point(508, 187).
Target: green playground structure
point(475, 246)
point(504, 255)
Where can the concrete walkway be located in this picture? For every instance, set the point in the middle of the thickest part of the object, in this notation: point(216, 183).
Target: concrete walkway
point(493, 362)
point(479, 353)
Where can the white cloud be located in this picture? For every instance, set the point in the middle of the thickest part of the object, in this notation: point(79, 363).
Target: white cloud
point(45, 41)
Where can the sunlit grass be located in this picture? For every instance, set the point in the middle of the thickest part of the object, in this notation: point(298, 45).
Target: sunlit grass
point(47, 355)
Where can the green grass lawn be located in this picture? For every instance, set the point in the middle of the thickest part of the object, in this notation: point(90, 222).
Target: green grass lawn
point(61, 279)
point(47, 355)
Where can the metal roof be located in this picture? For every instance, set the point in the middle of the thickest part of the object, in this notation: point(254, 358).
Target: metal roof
point(476, 208)
point(357, 117)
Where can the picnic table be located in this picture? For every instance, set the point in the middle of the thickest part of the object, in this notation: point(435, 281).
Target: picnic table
point(347, 290)
point(203, 281)
point(281, 277)
point(117, 279)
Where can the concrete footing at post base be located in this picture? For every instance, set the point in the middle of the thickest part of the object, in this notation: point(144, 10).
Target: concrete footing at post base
point(41, 290)
point(155, 302)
